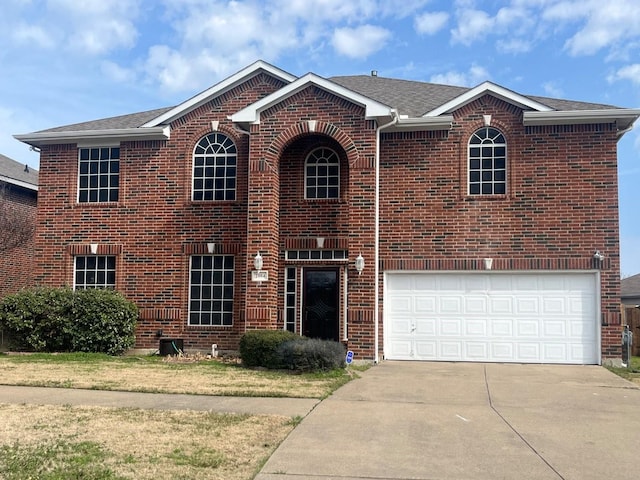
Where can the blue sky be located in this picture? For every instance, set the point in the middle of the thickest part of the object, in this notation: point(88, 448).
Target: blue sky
point(68, 61)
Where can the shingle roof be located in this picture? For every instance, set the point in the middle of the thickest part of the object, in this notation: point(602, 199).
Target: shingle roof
point(410, 97)
point(417, 98)
point(630, 286)
point(12, 170)
point(132, 120)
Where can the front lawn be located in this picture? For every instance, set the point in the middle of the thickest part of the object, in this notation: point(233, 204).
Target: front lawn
point(163, 375)
point(51, 442)
point(632, 373)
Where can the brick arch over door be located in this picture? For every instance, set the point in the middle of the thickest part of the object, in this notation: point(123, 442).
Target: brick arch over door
point(312, 127)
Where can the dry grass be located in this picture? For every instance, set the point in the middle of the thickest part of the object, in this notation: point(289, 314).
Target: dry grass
point(95, 443)
point(152, 374)
point(38, 441)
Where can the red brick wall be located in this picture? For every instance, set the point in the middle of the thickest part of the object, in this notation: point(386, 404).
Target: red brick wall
point(155, 226)
point(560, 207)
point(16, 264)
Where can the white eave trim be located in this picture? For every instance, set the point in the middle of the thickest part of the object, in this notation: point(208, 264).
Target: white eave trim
point(97, 137)
point(623, 117)
point(220, 88)
point(442, 122)
point(19, 183)
point(485, 88)
point(251, 114)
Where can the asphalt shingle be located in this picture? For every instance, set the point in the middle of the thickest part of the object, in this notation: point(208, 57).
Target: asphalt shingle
point(13, 170)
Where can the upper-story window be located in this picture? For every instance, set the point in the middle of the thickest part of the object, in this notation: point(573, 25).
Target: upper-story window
point(487, 162)
point(322, 174)
point(214, 168)
point(99, 174)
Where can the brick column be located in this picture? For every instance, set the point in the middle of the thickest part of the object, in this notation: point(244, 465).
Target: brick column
point(262, 236)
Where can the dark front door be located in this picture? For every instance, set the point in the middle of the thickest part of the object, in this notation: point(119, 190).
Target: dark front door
point(320, 318)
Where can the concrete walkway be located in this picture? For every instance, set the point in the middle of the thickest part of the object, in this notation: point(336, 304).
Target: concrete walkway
point(432, 421)
point(290, 407)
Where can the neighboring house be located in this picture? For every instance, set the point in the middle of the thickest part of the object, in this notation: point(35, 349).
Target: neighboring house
point(630, 290)
point(406, 219)
point(18, 198)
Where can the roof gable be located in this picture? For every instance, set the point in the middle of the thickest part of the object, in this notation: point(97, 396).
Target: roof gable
point(218, 89)
point(251, 113)
point(509, 96)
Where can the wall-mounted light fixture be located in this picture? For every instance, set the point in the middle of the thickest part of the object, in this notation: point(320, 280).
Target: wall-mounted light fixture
point(488, 263)
point(94, 248)
point(359, 264)
point(257, 261)
point(598, 256)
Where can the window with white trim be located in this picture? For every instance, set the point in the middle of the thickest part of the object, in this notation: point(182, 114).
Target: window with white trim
point(211, 290)
point(322, 174)
point(487, 162)
point(98, 174)
point(215, 160)
point(94, 271)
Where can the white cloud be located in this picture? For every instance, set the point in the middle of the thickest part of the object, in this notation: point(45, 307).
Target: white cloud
point(430, 23)
point(629, 72)
point(514, 45)
point(605, 24)
point(473, 77)
point(34, 36)
point(473, 25)
point(116, 72)
point(359, 42)
point(553, 89)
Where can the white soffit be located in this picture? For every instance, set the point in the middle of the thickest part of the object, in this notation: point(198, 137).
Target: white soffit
point(623, 117)
point(505, 94)
point(220, 88)
point(251, 114)
point(90, 137)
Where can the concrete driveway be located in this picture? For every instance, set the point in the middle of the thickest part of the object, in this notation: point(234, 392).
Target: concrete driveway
point(411, 420)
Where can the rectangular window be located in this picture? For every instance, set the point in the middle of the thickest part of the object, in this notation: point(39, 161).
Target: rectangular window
point(211, 290)
point(94, 271)
point(98, 174)
point(290, 299)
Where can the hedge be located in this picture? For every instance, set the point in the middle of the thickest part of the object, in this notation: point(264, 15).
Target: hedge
point(49, 319)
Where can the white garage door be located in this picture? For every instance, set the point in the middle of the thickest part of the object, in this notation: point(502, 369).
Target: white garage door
point(492, 317)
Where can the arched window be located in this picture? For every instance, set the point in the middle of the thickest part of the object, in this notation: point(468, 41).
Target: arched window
point(214, 168)
point(487, 162)
point(322, 174)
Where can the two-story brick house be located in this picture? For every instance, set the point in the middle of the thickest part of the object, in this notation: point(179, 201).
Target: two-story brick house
point(406, 219)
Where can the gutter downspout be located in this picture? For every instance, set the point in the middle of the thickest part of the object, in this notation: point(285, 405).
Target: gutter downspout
point(376, 262)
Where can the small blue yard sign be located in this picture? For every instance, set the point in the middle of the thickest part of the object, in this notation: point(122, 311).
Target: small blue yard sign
point(349, 358)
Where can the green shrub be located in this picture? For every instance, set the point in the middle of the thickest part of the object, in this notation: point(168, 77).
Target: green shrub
point(312, 355)
point(62, 320)
point(259, 348)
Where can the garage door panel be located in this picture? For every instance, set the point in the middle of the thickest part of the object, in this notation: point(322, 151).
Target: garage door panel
point(478, 351)
point(526, 305)
point(475, 304)
point(527, 328)
point(475, 328)
point(450, 304)
point(497, 316)
point(501, 328)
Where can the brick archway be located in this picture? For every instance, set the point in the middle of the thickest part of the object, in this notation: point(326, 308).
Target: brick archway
point(282, 141)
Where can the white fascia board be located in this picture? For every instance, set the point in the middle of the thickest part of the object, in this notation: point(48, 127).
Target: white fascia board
point(95, 137)
point(442, 122)
point(624, 117)
point(18, 183)
point(251, 114)
point(505, 94)
point(219, 89)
